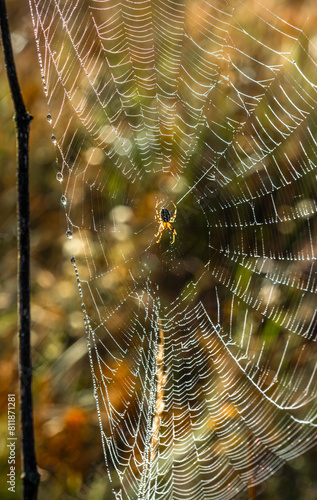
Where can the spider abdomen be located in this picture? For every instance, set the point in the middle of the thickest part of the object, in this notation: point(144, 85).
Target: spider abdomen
point(165, 215)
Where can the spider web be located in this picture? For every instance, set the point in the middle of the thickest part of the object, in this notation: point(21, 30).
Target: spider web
point(202, 352)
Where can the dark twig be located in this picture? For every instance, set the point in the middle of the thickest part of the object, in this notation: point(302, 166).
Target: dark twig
point(22, 119)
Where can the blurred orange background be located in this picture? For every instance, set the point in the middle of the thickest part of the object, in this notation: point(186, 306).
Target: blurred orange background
point(68, 444)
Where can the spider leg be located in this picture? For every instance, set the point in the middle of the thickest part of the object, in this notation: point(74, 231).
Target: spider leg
point(157, 212)
point(159, 233)
point(172, 219)
point(171, 228)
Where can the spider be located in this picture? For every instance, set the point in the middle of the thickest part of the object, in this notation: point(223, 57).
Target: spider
point(165, 219)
